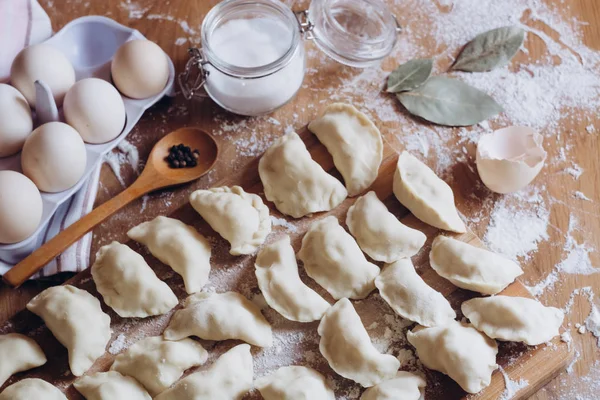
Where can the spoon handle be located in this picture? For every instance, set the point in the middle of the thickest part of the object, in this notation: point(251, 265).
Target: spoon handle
point(42, 256)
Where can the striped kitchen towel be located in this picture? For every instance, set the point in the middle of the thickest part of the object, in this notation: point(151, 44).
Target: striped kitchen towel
point(23, 23)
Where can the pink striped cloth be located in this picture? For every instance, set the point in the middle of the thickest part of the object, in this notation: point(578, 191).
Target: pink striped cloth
point(23, 23)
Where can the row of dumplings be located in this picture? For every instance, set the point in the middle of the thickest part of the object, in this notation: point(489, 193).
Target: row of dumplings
point(331, 256)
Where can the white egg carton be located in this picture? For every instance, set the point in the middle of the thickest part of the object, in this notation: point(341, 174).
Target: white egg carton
point(89, 43)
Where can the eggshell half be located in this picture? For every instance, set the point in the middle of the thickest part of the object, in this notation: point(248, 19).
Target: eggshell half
point(20, 207)
point(510, 158)
point(42, 62)
point(15, 120)
point(140, 69)
point(54, 157)
point(95, 109)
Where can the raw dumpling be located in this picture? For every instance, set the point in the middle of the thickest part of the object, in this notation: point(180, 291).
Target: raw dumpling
point(77, 321)
point(128, 285)
point(428, 197)
point(18, 353)
point(220, 316)
point(333, 259)
point(515, 319)
point(157, 363)
point(459, 351)
point(240, 218)
point(354, 143)
point(410, 297)
point(294, 383)
point(229, 378)
point(31, 388)
point(295, 182)
point(346, 345)
point(470, 267)
point(278, 279)
point(110, 385)
point(379, 233)
point(405, 386)
point(178, 245)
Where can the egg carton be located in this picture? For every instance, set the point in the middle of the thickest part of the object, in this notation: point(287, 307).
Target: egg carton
point(90, 44)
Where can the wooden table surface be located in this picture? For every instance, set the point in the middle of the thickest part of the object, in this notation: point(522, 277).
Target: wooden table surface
point(175, 24)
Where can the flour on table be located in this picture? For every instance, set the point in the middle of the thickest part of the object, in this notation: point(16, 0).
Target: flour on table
point(577, 260)
point(574, 170)
point(511, 387)
point(118, 345)
point(581, 196)
point(283, 223)
point(515, 230)
point(135, 10)
point(180, 41)
point(592, 322)
point(124, 154)
point(566, 337)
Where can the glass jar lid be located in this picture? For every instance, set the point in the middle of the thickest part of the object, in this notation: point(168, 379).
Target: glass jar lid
point(358, 33)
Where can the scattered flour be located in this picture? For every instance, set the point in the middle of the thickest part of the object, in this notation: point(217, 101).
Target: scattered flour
point(577, 260)
point(592, 322)
point(511, 387)
point(575, 171)
point(515, 231)
point(581, 196)
point(254, 145)
point(566, 337)
point(135, 10)
point(284, 223)
point(180, 41)
point(118, 345)
point(125, 153)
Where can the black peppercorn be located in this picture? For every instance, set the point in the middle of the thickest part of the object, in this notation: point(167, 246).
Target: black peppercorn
point(182, 156)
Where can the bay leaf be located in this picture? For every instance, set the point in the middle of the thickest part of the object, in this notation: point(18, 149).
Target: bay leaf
point(490, 49)
point(410, 75)
point(450, 102)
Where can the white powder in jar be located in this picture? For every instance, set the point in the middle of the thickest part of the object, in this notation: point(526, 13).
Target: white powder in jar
point(254, 43)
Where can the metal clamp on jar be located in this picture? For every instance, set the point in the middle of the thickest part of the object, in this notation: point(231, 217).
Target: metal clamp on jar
point(252, 58)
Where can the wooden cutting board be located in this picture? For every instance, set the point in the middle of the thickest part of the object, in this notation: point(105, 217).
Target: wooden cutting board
point(535, 365)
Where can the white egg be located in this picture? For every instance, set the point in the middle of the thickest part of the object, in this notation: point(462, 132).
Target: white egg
point(20, 207)
point(15, 120)
point(510, 158)
point(95, 109)
point(45, 63)
point(140, 69)
point(54, 157)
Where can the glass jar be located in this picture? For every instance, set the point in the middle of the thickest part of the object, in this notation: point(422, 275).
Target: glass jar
point(252, 58)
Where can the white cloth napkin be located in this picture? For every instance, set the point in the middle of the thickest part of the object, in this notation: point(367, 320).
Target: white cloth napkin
point(23, 23)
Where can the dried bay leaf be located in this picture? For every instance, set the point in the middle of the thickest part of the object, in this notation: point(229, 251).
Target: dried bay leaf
point(450, 102)
point(490, 49)
point(410, 75)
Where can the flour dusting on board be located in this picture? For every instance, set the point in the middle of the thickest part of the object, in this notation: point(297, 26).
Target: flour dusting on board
point(511, 387)
point(283, 223)
point(125, 154)
point(515, 230)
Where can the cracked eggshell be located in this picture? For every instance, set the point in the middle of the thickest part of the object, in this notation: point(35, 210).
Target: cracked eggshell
point(510, 158)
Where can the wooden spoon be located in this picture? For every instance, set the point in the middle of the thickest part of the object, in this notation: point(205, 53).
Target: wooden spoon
point(156, 175)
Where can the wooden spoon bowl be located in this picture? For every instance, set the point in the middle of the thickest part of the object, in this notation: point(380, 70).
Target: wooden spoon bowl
point(157, 174)
point(158, 168)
